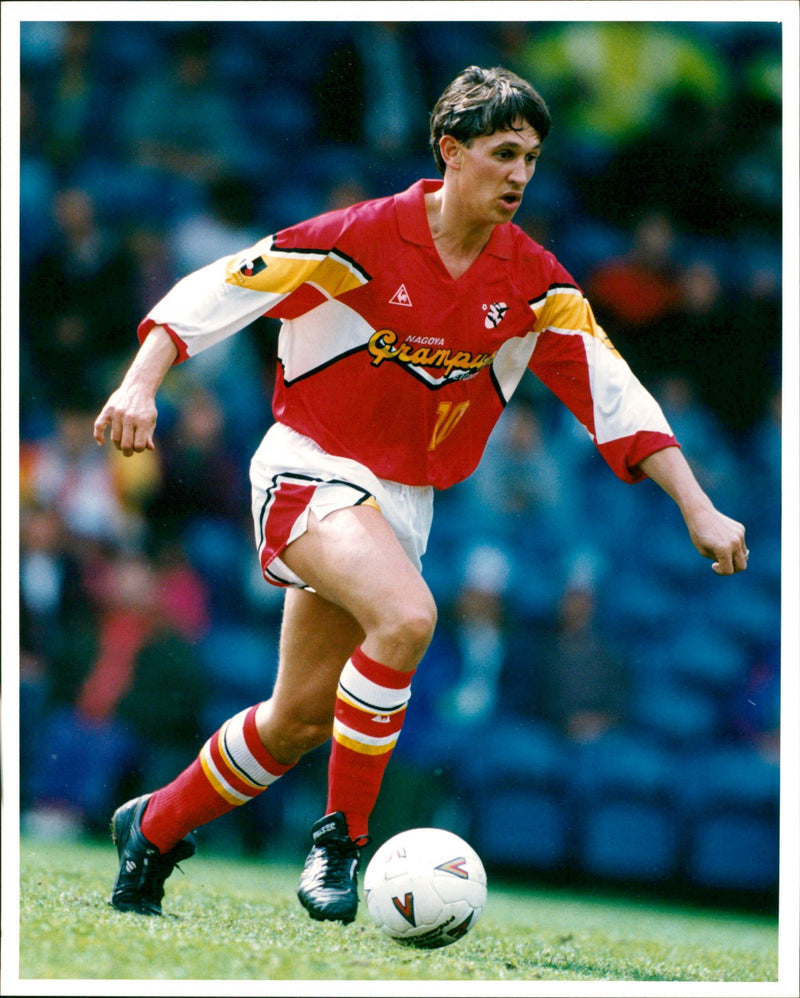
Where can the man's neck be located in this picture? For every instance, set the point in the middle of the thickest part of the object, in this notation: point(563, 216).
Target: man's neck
point(457, 244)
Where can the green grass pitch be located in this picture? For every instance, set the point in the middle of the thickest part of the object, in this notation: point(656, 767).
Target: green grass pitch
point(238, 920)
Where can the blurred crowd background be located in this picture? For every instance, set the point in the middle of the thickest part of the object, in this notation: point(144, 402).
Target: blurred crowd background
point(596, 704)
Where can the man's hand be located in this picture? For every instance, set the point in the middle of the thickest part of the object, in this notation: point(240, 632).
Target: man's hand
point(715, 535)
point(718, 537)
point(131, 419)
point(130, 413)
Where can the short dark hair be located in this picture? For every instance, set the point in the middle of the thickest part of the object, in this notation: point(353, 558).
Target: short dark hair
point(482, 101)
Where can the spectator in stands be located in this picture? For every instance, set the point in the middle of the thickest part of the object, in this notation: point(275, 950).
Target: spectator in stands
point(76, 303)
point(77, 102)
point(37, 176)
point(638, 290)
point(534, 489)
point(710, 316)
point(370, 92)
point(763, 450)
point(179, 122)
point(195, 454)
point(236, 372)
point(60, 472)
point(98, 732)
point(51, 602)
point(583, 684)
point(478, 626)
point(459, 697)
point(224, 224)
point(394, 96)
point(153, 269)
point(50, 582)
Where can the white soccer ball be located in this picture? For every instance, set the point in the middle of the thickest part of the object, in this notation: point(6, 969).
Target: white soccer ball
point(425, 887)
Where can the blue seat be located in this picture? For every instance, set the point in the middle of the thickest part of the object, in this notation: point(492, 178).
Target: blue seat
point(36, 188)
point(676, 714)
point(639, 603)
point(514, 791)
point(623, 809)
point(523, 826)
point(747, 612)
point(730, 776)
point(708, 656)
point(629, 838)
point(526, 752)
point(735, 848)
point(729, 803)
point(127, 47)
point(620, 762)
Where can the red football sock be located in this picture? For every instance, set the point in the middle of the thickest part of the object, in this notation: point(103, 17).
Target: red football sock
point(232, 768)
point(370, 708)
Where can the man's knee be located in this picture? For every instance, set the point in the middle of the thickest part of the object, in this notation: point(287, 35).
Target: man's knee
point(410, 625)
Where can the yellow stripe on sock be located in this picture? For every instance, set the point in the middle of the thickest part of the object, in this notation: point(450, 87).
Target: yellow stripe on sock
point(241, 775)
point(351, 743)
point(227, 793)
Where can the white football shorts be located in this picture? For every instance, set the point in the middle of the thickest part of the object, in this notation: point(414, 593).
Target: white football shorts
point(290, 474)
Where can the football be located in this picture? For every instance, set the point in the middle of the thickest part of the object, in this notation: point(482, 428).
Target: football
point(425, 887)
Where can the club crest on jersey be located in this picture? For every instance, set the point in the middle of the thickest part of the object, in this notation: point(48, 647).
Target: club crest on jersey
point(249, 268)
point(494, 314)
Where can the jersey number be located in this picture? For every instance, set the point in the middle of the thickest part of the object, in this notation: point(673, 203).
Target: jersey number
point(447, 418)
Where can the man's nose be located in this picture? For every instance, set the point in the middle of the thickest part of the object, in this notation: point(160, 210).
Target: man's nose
point(519, 173)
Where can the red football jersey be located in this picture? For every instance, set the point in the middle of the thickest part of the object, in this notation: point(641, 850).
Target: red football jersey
point(385, 358)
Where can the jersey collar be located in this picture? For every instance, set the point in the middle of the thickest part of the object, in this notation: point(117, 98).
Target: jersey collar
point(413, 220)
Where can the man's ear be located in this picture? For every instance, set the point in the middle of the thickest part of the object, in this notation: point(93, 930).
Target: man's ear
point(450, 149)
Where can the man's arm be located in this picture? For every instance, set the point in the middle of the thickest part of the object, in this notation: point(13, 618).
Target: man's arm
point(130, 411)
point(715, 535)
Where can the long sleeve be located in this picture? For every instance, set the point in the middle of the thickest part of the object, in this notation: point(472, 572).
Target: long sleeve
point(574, 357)
point(210, 304)
point(222, 298)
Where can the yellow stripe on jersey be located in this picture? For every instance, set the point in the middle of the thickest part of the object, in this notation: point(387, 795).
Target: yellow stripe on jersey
point(281, 272)
point(565, 310)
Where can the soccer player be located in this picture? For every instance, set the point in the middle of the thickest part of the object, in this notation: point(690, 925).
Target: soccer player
point(407, 323)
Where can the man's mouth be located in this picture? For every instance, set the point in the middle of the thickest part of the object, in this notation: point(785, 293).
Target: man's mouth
point(511, 199)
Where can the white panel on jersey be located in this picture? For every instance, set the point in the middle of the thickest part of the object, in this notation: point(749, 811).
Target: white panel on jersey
point(622, 406)
point(203, 309)
point(511, 362)
point(317, 338)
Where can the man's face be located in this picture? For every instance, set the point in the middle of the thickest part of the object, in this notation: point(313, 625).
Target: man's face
point(494, 170)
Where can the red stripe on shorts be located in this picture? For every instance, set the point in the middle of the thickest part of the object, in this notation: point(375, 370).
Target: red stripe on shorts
point(288, 503)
